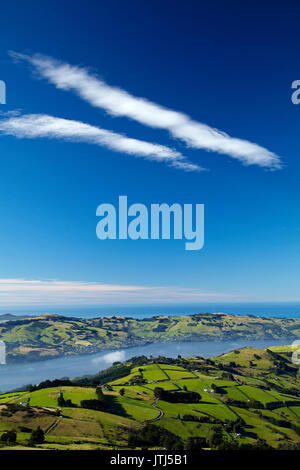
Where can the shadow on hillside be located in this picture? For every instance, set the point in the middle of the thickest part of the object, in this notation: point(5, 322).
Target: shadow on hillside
point(251, 434)
point(204, 403)
point(115, 407)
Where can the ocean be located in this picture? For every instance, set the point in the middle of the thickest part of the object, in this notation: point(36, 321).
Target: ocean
point(266, 309)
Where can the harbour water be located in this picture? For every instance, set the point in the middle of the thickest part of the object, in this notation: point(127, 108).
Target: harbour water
point(18, 375)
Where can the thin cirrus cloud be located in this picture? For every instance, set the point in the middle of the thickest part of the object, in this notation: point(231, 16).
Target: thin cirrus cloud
point(40, 125)
point(23, 292)
point(118, 102)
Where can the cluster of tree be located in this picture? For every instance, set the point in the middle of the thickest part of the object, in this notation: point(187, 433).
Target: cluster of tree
point(215, 437)
point(283, 423)
point(282, 367)
point(279, 404)
point(25, 429)
point(137, 379)
point(50, 383)
point(282, 364)
point(285, 390)
point(196, 443)
point(151, 435)
point(160, 328)
point(114, 372)
point(218, 389)
point(137, 361)
point(230, 368)
point(199, 419)
point(37, 436)
point(232, 364)
point(66, 403)
point(210, 362)
point(289, 446)
point(9, 437)
point(236, 426)
point(260, 444)
point(275, 356)
point(176, 397)
point(245, 404)
point(227, 375)
point(100, 395)
point(99, 404)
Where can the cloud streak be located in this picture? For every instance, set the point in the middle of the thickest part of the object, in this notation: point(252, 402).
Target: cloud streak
point(23, 292)
point(118, 102)
point(34, 126)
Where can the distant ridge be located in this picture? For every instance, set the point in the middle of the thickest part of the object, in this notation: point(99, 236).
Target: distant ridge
point(10, 317)
point(47, 336)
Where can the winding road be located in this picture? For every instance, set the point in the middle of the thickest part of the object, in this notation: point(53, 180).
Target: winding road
point(161, 413)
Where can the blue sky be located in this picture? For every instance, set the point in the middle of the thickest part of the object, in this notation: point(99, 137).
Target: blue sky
point(226, 65)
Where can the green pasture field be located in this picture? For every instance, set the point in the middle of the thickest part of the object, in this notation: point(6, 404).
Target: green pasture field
point(179, 374)
point(154, 373)
point(218, 411)
point(130, 408)
point(235, 393)
point(167, 367)
point(255, 393)
point(165, 385)
point(48, 396)
point(185, 429)
point(9, 396)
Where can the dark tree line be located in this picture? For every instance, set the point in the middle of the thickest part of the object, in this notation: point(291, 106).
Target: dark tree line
point(151, 435)
point(177, 397)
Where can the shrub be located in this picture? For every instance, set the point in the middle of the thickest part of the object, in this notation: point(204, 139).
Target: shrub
point(37, 436)
point(9, 436)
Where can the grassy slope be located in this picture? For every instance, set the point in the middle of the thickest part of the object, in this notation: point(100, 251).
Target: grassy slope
point(88, 429)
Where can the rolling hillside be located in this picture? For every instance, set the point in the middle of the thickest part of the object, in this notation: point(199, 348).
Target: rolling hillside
point(47, 336)
point(244, 399)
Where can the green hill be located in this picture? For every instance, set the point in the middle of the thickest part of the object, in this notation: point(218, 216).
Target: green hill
point(48, 336)
point(248, 398)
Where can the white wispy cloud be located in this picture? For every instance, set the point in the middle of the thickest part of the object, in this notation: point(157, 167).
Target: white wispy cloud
point(15, 292)
point(118, 102)
point(41, 125)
